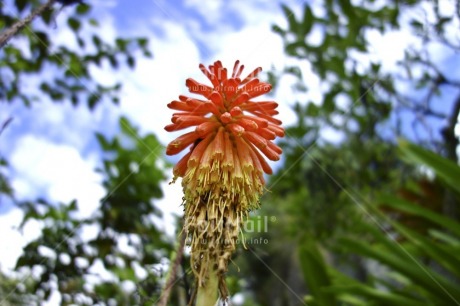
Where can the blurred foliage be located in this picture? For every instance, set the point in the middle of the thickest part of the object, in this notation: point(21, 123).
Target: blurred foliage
point(413, 268)
point(34, 50)
point(126, 213)
point(118, 255)
point(359, 98)
point(328, 192)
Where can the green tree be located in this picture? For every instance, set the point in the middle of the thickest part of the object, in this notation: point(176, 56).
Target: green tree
point(325, 190)
point(126, 213)
point(133, 168)
point(33, 51)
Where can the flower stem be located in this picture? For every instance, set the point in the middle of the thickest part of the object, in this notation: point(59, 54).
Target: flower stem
point(207, 295)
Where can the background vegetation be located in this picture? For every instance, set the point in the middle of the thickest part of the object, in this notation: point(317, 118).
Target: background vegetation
point(368, 220)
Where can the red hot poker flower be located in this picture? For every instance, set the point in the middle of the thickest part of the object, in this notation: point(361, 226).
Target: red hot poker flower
point(223, 171)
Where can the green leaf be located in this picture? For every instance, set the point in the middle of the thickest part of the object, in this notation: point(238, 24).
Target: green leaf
point(93, 100)
point(293, 48)
point(442, 254)
point(20, 4)
point(446, 238)
point(93, 22)
point(348, 10)
point(74, 24)
point(103, 142)
point(411, 267)
point(383, 298)
point(125, 273)
point(312, 110)
point(408, 207)
point(446, 170)
point(308, 20)
point(83, 9)
point(277, 29)
point(293, 25)
point(130, 61)
point(314, 272)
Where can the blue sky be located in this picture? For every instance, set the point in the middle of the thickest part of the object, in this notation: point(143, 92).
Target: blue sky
point(52, 148)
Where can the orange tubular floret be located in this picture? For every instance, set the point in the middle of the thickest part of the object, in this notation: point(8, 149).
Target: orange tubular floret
point(236, 129)
point(198, 151)
point(236, 111)
point(191, 120)
point(243, 154)
point(235, 69)
point(256, 161)
point(217, 99)
point(251, 85)
point(214, 80)
point(274, 148)
point(183, 98)
point(181, 142)
point(252, 75)
point(207, 157)
point(176, 116)
point(180, 106)
point(228, 155)
point(206, 128)
point(253, 157)
point(266, 133)
point(265, 166)
point(239, 72)
point(259, 90)
point(256, 139)
point(268, 112)
point(260, 106)
point(181, 167)
point(226, 118)
point(195, 87)
point(249, 125)
point(230, 89)
point(261, 123)
point(240, 99)
point(270, 119)
point(202, 107)
point(271, 155)
point(238, 173)
point(211, 76)
point(223, 77)
point(279, 131)
point(218, 144)
point(177, 126)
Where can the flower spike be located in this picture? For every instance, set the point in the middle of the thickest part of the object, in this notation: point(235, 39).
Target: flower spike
point(222, 174)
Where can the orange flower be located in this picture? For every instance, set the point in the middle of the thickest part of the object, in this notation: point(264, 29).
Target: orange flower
point(223, 171)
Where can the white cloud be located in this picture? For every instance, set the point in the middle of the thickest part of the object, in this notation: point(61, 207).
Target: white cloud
point(211, 11)
point(170, 205)
point(155, 83)
point(12, 240)
point(59, 171)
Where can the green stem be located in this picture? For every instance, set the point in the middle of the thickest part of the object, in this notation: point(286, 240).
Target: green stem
point(207, 295)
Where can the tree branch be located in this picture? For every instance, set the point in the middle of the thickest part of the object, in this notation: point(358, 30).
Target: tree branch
point(21, 24)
